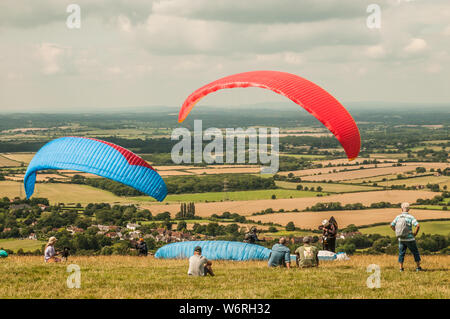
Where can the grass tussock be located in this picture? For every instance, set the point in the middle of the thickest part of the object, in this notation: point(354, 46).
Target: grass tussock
point(139, 277)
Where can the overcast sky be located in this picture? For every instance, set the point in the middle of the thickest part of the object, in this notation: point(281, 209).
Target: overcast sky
point(132, 53)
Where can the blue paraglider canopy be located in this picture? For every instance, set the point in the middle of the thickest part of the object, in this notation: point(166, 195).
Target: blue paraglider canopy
point(97, 157)
point(214, 250)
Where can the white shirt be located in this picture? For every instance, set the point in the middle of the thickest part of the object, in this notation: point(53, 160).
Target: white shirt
point(49, 253)
point(197, 265)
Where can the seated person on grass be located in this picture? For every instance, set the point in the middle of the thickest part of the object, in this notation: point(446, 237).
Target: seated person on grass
point(280, 255)
point(307, 255)
point(50, 252)
point(199, 265)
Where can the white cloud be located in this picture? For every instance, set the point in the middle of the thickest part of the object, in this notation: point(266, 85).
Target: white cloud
point(375, 51)
point(416, 45)
point(262, 11)
point(124, 23)
point(50, 55)
point(447, 31)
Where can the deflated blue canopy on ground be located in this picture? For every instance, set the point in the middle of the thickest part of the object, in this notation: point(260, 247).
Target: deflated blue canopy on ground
point(97, 157)
point(214, 250)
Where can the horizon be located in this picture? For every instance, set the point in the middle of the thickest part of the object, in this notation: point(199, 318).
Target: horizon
point(283, 106)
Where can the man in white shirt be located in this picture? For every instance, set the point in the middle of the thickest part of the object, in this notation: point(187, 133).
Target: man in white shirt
point(407, 240)
point(199, 265)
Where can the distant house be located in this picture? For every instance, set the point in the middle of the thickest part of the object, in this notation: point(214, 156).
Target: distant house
point(348, 235)
point(166, 236)
point(32, 236)
point(103, 228)
point(134, 234)
point(131, 226)
point(6, 229)
point(42, 206)
point(73, 230)
point(112, 235)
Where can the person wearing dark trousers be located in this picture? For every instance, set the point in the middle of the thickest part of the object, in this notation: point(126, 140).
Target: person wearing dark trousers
point(403, 226)
point(329, 232)
point(142, 248)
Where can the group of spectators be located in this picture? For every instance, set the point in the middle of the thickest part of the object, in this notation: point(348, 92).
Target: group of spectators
point(305, 255)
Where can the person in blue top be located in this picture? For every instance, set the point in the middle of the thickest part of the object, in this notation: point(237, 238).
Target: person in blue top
point(280, 255)
point(406, 236)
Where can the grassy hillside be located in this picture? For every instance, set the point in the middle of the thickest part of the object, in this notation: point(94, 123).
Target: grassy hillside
point(140, 277)
point(25, 244)
point(239, 195)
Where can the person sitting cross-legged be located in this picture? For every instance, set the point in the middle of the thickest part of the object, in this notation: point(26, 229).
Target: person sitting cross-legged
point(280, 255)
point(307, 255)
point(199, 265)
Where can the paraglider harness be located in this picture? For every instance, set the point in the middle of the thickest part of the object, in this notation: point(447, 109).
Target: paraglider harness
point(329, 234)
point(141, 247)
point(65, 253)
point(251, 237)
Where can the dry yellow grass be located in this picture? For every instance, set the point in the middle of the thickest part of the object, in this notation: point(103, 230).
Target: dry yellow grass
point(329, 170)
point(249, 207)
point(366, 173)
point(7, 162)
point(441, 180)
point(62, 193)
point(233, 170)
point(39, 177)
point(19, 157)
point(140, 277)
point(311, 220)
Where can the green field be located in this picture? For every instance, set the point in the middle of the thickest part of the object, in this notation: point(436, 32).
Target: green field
point(297, 233)
point(423, 180)
point(235, 196)
point(308, 156)
point(149, 278)
point(328, 187)
point(25, 244)
point(430, 227)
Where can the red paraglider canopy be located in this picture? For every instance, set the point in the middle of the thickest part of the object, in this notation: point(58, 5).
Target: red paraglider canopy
point(305, 93)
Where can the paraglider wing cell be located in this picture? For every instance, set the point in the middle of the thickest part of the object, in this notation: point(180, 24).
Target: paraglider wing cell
point(214, 250)
point(97, 157)
point(308, 95)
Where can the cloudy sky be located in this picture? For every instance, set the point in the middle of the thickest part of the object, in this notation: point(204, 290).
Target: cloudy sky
point(133, 53)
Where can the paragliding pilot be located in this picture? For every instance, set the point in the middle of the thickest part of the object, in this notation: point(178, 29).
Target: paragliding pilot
point(141, 247)
point(251, 236)
point(329, 230)
point(65, 254)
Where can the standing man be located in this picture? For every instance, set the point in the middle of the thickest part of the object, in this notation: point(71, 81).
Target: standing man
point(329, 232)
point(280, 255)
point(251, 236)
point(402, 225)
point(199, 265)
point(142, 248)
